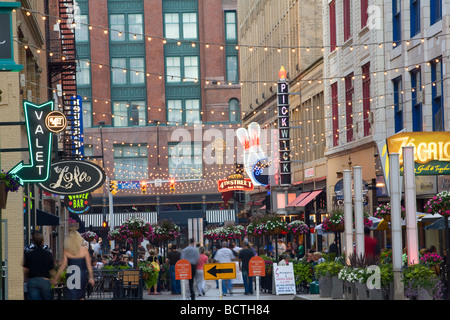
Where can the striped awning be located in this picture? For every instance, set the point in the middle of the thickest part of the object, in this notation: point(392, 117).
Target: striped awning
point(220, 216)
point(96, 219)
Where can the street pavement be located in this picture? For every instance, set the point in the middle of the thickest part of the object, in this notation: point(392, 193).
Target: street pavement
point(212, 293)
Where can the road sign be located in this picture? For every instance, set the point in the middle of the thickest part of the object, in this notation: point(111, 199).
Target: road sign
point(256, 267)
point(183, 270)
point(214, 271)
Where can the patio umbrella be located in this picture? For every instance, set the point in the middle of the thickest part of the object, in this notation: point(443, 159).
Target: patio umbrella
point(430, 217)
point(437, 225)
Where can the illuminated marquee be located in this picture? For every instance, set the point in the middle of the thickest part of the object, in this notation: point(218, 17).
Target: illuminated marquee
point(39, 144)
point(283, 128)
point(235, 182)
point(431, 151)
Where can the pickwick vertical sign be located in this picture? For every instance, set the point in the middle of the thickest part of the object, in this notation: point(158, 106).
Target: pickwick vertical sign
point(283, 128)
point(39, 144)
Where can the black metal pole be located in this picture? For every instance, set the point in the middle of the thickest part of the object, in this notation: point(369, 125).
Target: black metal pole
point(447, 250)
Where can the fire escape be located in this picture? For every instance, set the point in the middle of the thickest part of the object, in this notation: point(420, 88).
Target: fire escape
point(62, 68)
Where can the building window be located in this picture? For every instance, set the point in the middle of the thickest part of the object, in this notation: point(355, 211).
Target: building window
point(173, 67)
point(127, 71)
point(347, 19)
point(183, 111)
point(349, 89)
point(130, 162)
point(126, 27)
point(190, 68)
point(436, 93)
point(180, 25)
point(416, 99)
point(398, 104)
point(396, 21)
point(129, 114)
point(185, 160)
point(81, 29)
point(234, 110)
point(232, 69)
point(87, 113)
point(332, 12)
point(335, 113)
point(118, 70)
point(415, 17)
point(364, 13)
point(366, 98)
point(137, 70)
point(435, 11)
point(83, 73)
point(230, 26)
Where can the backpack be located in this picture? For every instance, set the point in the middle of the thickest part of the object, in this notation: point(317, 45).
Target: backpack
point(155, 264)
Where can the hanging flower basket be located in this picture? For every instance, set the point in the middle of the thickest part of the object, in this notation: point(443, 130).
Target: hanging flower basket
point(114, 235)
point(73, 224)
point(264, 225)
point(297, 227)
point(135, 228)
point(89, 236)
point(334, 222)
point(8, 182)
point(440, 203)
point(225, 233)
point(164, 230)
point(384, 212)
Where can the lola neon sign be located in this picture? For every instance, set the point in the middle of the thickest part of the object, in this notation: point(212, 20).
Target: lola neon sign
point(39, 144)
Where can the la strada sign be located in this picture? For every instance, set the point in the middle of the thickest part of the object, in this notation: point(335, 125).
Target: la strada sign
point(73, 177)
point(235, 182)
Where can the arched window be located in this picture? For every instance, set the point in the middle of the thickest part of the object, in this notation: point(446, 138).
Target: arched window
point(234, 110)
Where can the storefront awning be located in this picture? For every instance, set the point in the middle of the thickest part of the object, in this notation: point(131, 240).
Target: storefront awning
point(309, 198)
point(298, 199)
point(46, 219)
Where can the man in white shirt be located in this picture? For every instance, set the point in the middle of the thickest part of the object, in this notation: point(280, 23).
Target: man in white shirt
point(225, 255)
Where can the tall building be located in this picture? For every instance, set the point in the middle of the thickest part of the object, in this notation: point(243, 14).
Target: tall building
point(26, 81)
point(160, 91)
point(288, 34)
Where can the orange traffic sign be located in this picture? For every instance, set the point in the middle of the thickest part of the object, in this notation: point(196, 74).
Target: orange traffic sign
point(214, 271)
point(183, 270)
point(256, 267)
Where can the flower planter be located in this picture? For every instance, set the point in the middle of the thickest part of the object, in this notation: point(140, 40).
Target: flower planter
point(361, 291)
point(375, 294)
point(3, 195)
point(423, 294)
point(337, 290)
point(325, 287)
point(349, 290)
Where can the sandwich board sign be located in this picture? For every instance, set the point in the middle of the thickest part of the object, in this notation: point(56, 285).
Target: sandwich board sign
point(284, 279)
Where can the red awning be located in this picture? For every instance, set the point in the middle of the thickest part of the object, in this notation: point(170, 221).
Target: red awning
point(298, 199)
point(309, 198)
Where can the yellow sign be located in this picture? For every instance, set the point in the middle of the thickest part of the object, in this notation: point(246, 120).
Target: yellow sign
point(431, 151)
point(214, 271)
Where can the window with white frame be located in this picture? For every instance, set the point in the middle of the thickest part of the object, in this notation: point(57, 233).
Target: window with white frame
point(118, 70)
point(81, 29)
point(137, 70)
point(173, 69)
point(83, 73)
point(190, 68)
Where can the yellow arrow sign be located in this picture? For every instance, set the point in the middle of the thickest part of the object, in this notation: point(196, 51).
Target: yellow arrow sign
point(214, 271)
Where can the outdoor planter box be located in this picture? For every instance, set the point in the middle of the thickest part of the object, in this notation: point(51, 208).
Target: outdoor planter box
point(337, 290)
point(325, 287)
point(361, 291)
point(349, 290)
point(375, 294)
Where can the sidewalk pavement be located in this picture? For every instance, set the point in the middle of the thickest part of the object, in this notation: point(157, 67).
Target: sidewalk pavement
point(212, 293)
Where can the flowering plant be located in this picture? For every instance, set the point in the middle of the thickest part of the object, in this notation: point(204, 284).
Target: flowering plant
point(297, 227)
point(384, 211)
point(10, 180)
point(150, 274)
point(431, 258)
point(440, 203)
point(334, 222)
point(114, 235)
point(135, 228)
point(89, 236)
point(261, 225)
point(165, 230)
point(225, 233)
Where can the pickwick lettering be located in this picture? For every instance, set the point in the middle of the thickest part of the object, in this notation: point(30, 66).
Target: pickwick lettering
point(283, 126)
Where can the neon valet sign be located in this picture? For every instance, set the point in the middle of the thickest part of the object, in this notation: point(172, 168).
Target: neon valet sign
point(39, 144)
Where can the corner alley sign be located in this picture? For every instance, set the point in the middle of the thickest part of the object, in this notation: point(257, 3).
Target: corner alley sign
point(431, 151)
point(39, 144)
point(235, 182)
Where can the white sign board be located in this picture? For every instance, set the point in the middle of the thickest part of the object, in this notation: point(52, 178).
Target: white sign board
point(284, 279)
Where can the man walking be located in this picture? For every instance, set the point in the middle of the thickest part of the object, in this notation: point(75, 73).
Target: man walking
point(191, 254)
point(172, 257)
point(225, 255)
point(244, 257)
point(38, 267)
